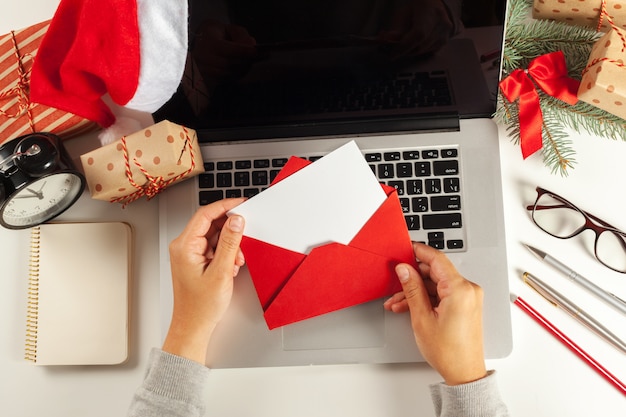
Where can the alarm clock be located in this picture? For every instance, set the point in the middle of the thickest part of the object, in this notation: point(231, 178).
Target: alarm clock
point(38, 180)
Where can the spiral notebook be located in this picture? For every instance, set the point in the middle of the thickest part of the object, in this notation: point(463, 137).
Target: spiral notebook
point(78, 297)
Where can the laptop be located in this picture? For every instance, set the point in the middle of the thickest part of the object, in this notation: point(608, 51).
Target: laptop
point(302, 80)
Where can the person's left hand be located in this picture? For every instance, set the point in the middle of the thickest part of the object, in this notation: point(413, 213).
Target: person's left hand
point(204, 259)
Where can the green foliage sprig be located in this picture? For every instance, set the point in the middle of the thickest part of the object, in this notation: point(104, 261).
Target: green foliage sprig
point(526, 39)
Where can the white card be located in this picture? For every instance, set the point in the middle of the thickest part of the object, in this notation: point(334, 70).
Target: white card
point(327, 201)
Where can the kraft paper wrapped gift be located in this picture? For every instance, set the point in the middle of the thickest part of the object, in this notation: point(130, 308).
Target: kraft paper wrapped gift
point(604, 80)
point(582, 12)
point(143, 163)
point(18, 116)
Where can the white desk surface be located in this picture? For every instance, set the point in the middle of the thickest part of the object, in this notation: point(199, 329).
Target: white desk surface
point(540, 377)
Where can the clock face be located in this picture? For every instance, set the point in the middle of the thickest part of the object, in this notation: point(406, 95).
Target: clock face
point(41, 200)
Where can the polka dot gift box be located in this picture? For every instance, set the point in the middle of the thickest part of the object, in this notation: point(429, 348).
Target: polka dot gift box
point(604, 79)
point(143, 163)
point(582, 12)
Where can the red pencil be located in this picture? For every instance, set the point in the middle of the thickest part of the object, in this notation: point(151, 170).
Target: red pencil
point(518, 301)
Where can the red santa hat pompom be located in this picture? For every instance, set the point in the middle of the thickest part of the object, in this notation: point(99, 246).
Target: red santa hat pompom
point(132, 50)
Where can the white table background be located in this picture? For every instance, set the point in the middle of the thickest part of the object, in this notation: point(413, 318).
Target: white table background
point(540, 378)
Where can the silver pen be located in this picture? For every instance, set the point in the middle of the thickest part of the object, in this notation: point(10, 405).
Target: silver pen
point(558, 300)
point(609, 297)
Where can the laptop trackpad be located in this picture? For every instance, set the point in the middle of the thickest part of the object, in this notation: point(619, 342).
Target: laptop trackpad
point(361, 326)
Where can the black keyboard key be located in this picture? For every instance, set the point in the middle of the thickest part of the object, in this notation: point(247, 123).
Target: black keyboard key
point(208, 197)
point(392, 156)
point(449, 153)
point(433, 186)
point(448, 167)
point(422, 169)
point(430, 154)
point(273, 174)
point(410, 155)
point(385, 171)
point(398, 185)
point(314, 158)
point(373, 157)
point(451, 185)
point(234, 193)
point(261, 163)
point(414, 187)
point(420, 204)
point(250, 192)
point(260, 178)
point(446, 203)
point(209, 166)
point(455, 244)
point(442, 221)
point(437, 244)
point(405, 204)
point(435, 235)
point(412, 222)
point(242, 179)
point(279, 162)
point(243, 164)
point(404, 170)
point(224, 180)
point(224, 165)
point(206, 180)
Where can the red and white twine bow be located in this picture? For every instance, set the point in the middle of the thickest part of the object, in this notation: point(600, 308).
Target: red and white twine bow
point(20, 90)
point(154, 184)
point(549, 73)
point(604, 14)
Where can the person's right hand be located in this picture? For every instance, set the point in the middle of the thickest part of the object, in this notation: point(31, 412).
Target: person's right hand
point(446, 315)
point(205, 258)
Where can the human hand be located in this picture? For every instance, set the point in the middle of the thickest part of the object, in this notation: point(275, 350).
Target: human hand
point(204, 260)
point(223, 50)
point(446, 315)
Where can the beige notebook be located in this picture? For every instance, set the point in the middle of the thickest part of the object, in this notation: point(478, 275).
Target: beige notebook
point(78, 298)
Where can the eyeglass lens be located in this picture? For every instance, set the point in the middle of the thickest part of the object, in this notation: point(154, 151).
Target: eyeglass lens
point(611, 250)
point(562, 220)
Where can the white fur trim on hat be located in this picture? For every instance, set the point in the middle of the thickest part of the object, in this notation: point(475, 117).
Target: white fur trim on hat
point(163, 50)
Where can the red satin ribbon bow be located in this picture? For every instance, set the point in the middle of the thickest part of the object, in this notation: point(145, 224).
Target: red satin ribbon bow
point(549, 73)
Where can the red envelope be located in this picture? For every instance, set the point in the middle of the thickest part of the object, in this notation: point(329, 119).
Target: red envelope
point(292, 286)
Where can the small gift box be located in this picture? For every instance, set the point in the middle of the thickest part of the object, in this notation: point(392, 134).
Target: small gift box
point(604, 79)
point(582, 12)
point(18, 115)
point(143, 163)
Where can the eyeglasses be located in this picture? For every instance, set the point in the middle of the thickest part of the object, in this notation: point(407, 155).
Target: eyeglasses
point(558, 217)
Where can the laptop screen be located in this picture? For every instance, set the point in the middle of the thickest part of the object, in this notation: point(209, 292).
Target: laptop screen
point(285, 68)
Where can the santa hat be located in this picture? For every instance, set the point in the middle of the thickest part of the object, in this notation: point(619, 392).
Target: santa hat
point(132, 50)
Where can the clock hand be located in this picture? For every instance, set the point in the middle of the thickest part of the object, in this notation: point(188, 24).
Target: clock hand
point(37, 194)
point(41, 188)
point(27, 196)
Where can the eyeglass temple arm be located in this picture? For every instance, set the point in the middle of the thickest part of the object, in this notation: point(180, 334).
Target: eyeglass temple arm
point(602, 222)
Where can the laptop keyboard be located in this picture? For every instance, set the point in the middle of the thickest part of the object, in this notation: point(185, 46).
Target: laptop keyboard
point(428, 181)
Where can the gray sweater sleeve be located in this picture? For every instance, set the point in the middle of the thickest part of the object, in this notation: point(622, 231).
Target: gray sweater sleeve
point(173, 387)
point(476, 399)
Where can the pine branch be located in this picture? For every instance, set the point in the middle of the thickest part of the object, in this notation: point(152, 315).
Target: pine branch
point(526, 39)
point(530, 39)
point(557, 146)
point(584, 117)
